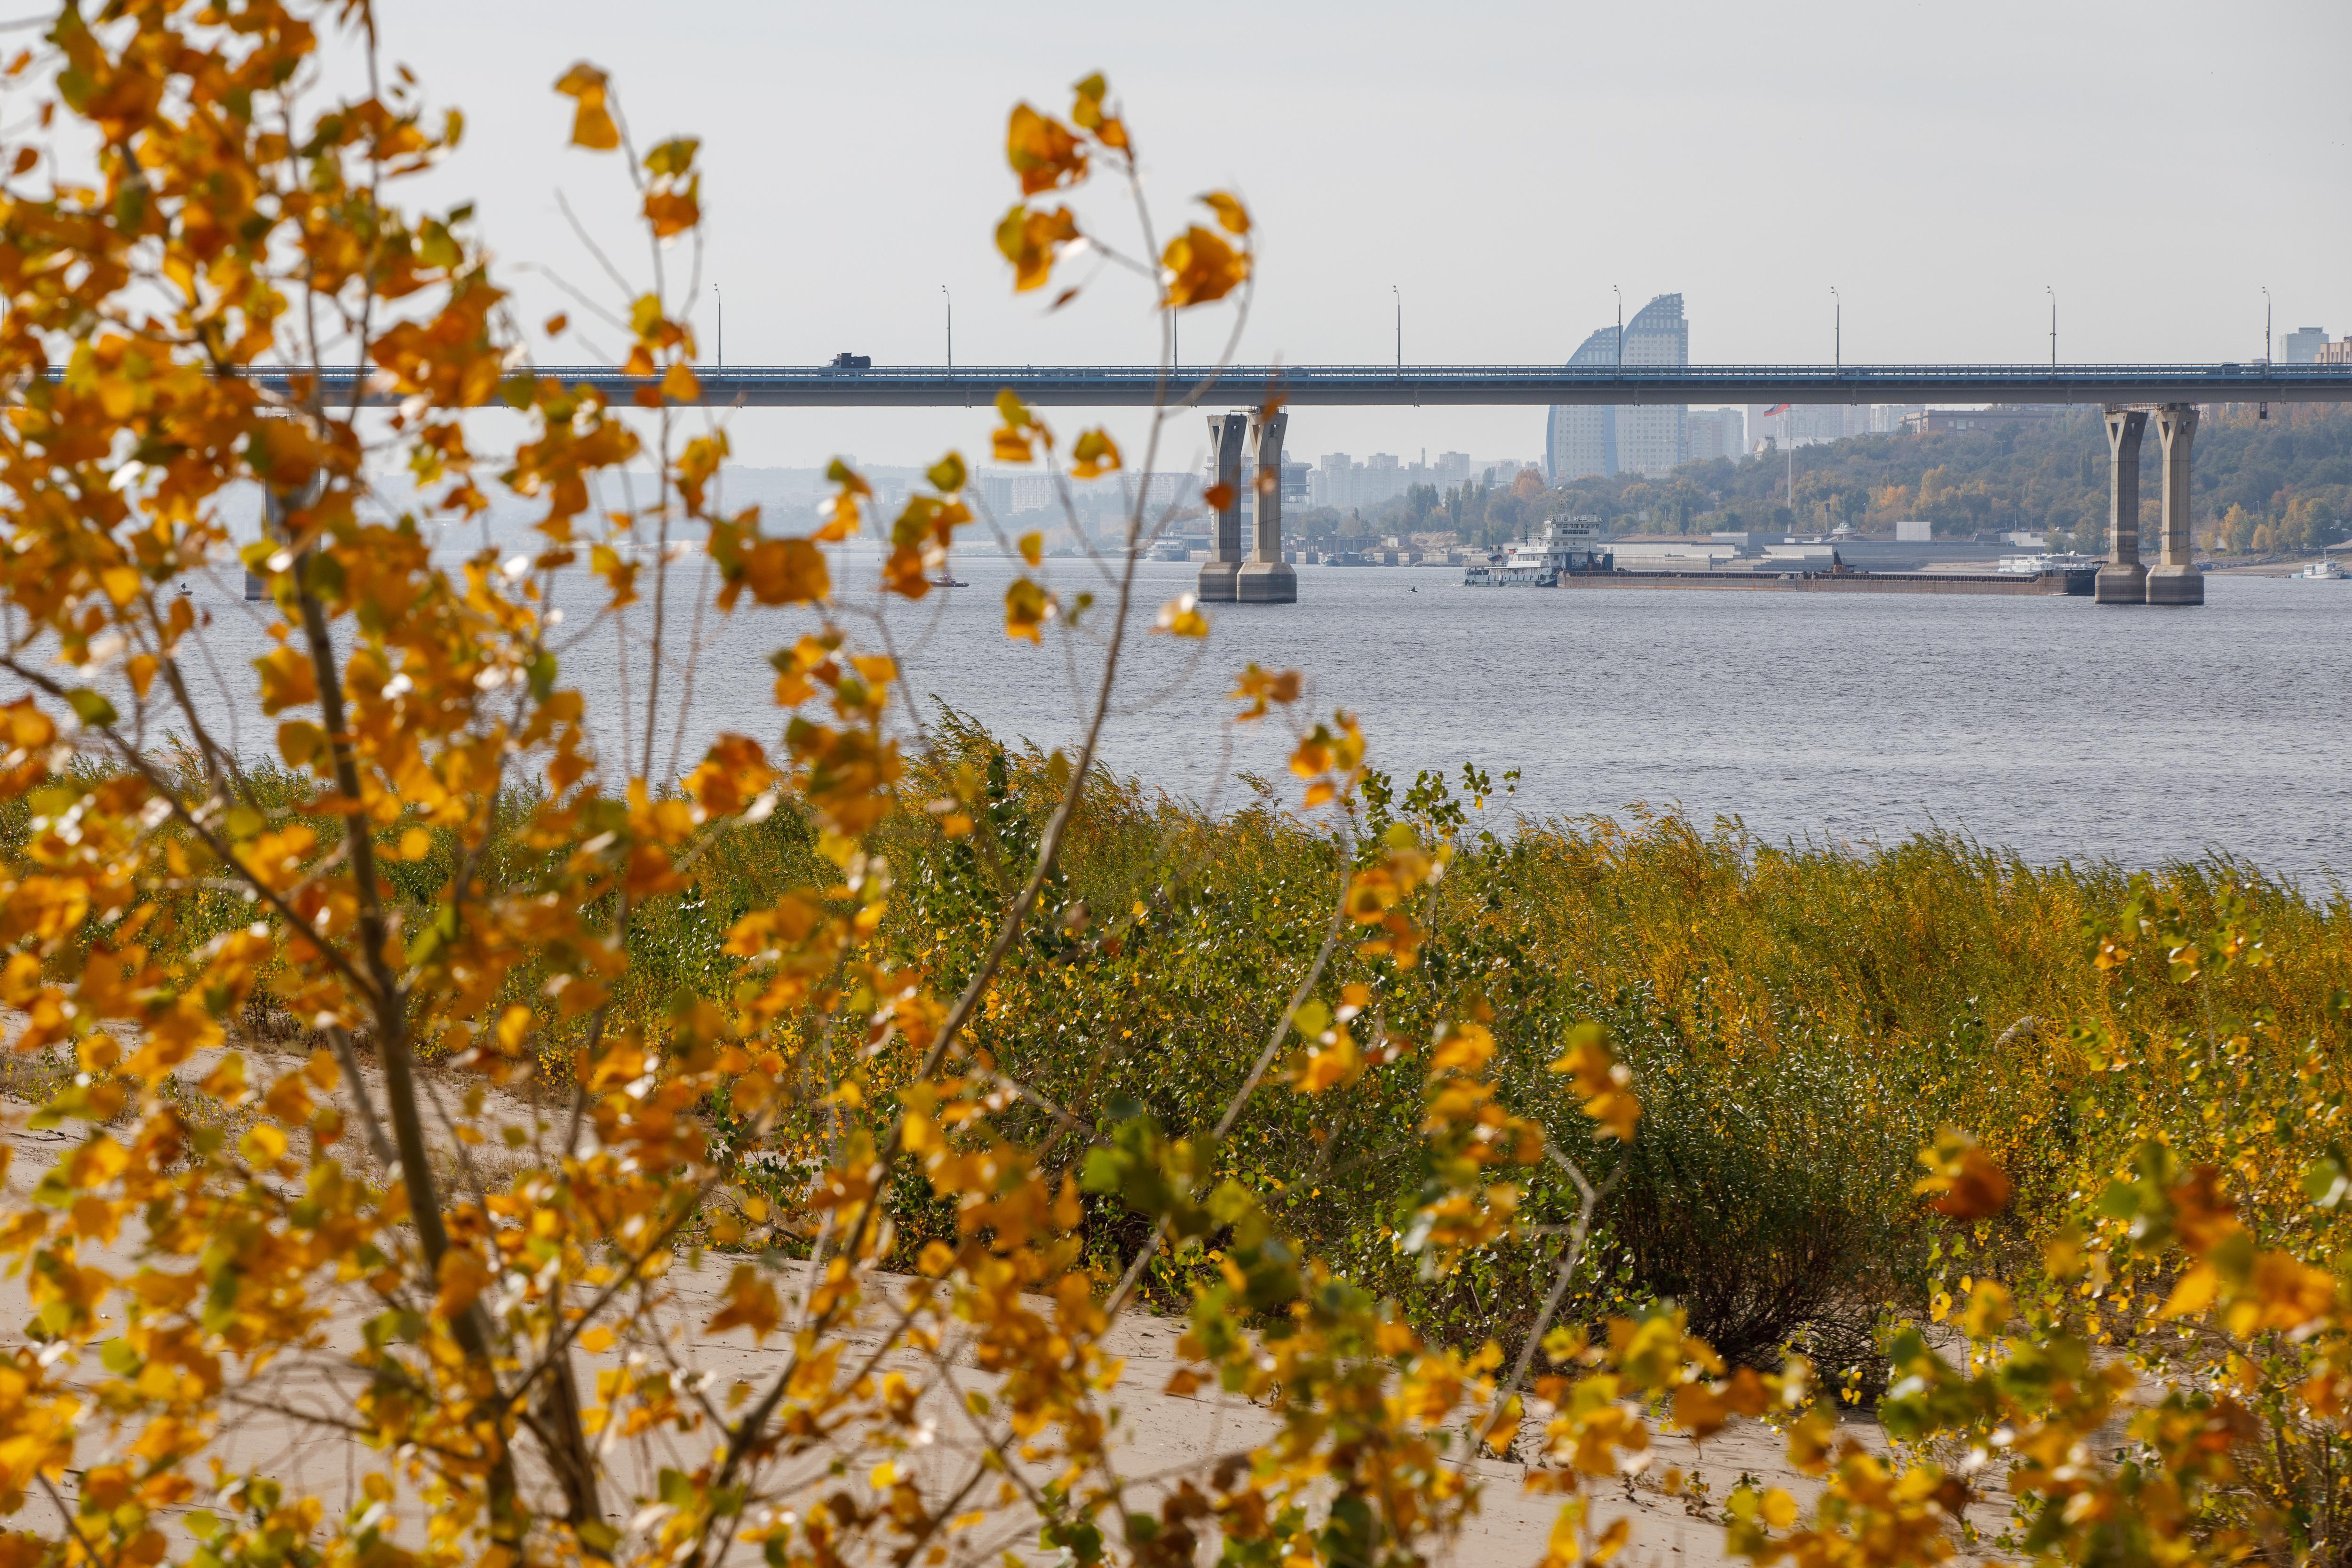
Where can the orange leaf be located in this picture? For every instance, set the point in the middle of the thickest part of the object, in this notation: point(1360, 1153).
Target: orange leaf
point(1041, 150)
point(592, 125)
point(786, 572)
point(1232, 217)
point(1199, 266)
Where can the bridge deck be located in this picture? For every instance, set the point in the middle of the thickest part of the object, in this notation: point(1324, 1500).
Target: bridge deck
point(1118, 387)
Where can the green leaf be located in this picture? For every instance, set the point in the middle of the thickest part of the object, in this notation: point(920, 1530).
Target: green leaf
point(92, 709)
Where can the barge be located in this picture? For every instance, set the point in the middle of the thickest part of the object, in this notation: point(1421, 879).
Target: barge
point(1570, 554)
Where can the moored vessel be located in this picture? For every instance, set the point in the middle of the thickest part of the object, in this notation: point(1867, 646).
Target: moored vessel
point(1568, 546)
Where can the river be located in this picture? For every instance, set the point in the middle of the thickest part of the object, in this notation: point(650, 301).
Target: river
point(2051, 726)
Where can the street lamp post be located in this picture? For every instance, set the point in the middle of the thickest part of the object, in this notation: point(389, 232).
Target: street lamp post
point(1399, 327)
point(2046, 288)
point(1837, 332)
point(722, 326)
point(2267, 338)
point(1620, 327)
point(950, 300)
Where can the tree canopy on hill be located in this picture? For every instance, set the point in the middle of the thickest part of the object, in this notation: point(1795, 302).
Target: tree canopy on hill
point(2282, 483)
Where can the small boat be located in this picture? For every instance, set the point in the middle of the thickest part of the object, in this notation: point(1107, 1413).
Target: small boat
point(944, 580)
point(2321, 571)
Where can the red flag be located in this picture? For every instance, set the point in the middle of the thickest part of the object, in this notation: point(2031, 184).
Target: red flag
point(1776, 408)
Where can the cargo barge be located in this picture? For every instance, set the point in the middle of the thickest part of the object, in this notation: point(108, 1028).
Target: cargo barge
point(1844, 580)
point(1571, 554)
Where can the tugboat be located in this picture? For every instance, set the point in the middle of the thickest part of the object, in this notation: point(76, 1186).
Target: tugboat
point(2322, 571)
point(1568, 546)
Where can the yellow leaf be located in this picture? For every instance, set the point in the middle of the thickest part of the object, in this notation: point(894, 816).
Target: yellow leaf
point(1199, 266)
point(1232, 217)
point(2194, 1293)
point(1032, 239)
point(285, 679)
point(786, 572)
point(591, 124)
point(1328, 1065)
point(1041, 150)
point(1180, 617)
point(463, 1278)
point(263, 1145)
point(1032, 547)
point(679, 384)
point(415, 843)
point(1095, 455)
point(596, 1340)
point(1027, 606)
point(1779, 1509)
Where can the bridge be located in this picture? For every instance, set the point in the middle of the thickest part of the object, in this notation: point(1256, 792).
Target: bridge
point(1356, 386)
point(1255, 399)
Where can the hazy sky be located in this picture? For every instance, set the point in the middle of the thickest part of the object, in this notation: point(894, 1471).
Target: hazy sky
point(1501, 165)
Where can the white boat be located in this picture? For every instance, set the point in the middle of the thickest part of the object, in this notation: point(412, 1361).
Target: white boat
point(1568, 545)
point(2322, 571)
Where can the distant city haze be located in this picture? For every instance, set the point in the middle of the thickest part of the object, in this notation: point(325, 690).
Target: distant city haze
point(1500, 165)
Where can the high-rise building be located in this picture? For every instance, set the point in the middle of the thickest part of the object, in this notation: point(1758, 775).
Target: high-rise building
point(1581, 439)
point(1809, 423)
point(1715, 433)
point(2302, 346)
point(1650, 436)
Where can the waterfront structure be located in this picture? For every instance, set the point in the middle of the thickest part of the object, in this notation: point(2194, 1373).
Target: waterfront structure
point(1581, 440)
point(2174, 390)
point(2124, 580)
point(1368, 386)
point(2302, 345)
point(1255, 572)
point(2336, 354)
point(1266, 578)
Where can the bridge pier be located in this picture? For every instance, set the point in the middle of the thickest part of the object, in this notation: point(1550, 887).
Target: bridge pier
point(1267, 578)
point(2123, 580)
point(2175, 580)
point(1220, 574)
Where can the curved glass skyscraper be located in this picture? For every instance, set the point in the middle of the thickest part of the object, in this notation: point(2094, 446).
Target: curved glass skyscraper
point(1581, 439)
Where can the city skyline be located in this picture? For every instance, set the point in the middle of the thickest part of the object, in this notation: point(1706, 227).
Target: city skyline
point(1981, 159)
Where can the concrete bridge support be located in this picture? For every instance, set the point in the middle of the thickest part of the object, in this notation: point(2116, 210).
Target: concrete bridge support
point(1266, 578)
point(2123, 580)
point(2175, 579)
point(1220, 572)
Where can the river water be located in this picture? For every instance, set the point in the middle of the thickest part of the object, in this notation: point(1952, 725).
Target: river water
point(2047, 725)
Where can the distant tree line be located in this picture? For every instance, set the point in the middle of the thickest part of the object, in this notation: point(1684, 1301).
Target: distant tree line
point(2277, 485)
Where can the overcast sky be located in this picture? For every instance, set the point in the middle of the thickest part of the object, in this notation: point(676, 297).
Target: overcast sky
point(1502, 165)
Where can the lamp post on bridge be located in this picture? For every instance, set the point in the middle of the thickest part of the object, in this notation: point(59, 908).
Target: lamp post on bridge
point(1837, 332)
point(2046, 288)
point(722, 326)
point(1399, 327)
point(950, 300)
